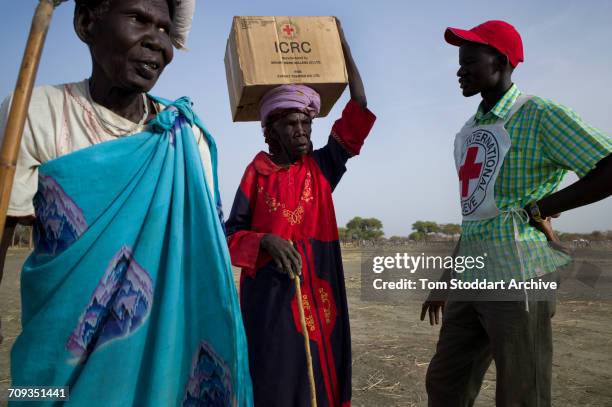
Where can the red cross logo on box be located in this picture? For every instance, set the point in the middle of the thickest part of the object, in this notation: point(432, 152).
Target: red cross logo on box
point(288, 30)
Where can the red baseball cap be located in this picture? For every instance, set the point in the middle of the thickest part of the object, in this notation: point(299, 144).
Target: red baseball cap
point(495, 33)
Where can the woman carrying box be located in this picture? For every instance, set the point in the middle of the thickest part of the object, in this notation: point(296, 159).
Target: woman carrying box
point(283, 224)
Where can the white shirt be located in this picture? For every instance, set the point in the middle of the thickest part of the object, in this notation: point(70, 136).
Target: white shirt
point(62, 119)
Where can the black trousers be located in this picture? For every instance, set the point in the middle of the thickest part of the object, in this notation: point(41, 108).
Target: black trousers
point(475, 333)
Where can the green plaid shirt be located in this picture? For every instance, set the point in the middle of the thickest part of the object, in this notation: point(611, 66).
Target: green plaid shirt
point(548, 140)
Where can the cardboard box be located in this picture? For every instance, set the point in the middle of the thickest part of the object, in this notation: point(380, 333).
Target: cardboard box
point(264, 52)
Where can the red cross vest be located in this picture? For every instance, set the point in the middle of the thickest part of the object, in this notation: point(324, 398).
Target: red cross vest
point(479, 154)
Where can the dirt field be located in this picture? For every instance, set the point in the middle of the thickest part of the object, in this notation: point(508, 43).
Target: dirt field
point(392, 348)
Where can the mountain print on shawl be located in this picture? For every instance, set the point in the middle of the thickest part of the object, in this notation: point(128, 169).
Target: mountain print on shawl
point(59, 221)
point(210, 382)
point(119, 306)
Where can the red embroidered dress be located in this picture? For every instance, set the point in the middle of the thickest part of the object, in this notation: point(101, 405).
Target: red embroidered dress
point(295, 203)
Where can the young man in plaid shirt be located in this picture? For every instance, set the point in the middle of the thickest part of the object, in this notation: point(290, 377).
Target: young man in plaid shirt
point(510, 157)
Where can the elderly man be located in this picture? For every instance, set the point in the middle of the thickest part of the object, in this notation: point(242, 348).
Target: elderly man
point(283, 223)
point(128, 297)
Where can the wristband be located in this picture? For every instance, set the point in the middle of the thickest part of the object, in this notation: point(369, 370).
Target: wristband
point(534, 212)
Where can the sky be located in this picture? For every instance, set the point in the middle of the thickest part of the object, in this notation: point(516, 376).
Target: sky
point(406, 171)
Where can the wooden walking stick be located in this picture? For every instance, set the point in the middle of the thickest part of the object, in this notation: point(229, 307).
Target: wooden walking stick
point(313, 389)
point(21, 101)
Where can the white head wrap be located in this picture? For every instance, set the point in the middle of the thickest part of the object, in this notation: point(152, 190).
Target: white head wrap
point(183, 16)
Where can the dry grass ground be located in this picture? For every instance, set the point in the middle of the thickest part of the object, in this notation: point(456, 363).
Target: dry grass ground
point(392, 348)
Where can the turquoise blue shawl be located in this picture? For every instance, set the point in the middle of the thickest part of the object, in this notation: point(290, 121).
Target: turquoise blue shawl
point(128, 297)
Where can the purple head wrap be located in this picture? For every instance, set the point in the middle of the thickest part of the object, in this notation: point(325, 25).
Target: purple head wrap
point(282, 97)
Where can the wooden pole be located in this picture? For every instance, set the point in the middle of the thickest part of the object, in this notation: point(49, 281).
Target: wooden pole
point(313, 389)
point(21, 101)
